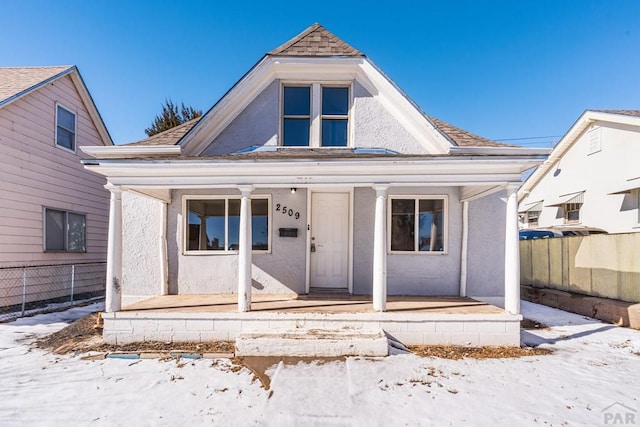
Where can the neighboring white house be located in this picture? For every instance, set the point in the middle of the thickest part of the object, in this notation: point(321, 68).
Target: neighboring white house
point(52, 210)
point(314, 172)
point(591, 178)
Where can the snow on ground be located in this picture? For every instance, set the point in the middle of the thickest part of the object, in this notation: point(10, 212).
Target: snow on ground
point(594, 366)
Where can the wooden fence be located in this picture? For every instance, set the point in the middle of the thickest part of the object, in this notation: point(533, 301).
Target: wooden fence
point(603, 265)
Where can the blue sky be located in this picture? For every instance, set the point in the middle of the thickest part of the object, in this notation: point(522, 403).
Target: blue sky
point(501, 69)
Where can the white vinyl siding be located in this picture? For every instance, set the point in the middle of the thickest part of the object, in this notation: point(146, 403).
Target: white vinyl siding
point(35, 173)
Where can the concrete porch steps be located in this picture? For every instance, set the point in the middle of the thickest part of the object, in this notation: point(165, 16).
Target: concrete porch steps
point(313, 343)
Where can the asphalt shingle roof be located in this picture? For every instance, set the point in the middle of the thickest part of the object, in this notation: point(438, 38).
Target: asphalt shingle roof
point(459, 136)
point(462, 138)
point(169, 136)
point(316, 41)
point(15, 80)
point(635, 113)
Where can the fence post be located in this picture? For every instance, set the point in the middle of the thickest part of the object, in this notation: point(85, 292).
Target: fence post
point(73, 281)
point(24, 289)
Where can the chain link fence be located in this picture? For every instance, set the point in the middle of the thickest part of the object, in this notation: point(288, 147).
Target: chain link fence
point(23, 289)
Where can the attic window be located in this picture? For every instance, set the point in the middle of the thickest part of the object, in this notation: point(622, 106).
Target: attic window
point(315, 115)
point(65, 128)
point(335, 116)
point(296, 117)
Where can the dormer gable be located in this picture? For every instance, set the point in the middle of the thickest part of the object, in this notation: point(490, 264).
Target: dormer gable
point(315, 65)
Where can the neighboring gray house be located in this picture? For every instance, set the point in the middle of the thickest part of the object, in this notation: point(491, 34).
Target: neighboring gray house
point(592, 176)
point(314, 173)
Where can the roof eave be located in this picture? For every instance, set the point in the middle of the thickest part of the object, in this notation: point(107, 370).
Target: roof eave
point(567, 141)
point(42, 83)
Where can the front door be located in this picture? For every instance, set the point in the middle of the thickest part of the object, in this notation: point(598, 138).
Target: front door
point(329, 240)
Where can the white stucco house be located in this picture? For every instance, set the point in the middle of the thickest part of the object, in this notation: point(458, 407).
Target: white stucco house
point(313, 175)
point(591, 178)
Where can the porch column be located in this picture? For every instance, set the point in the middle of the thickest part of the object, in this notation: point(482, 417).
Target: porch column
point(465, 248)
point(244, 251)
point(113, 296)
point(512, 254)
point(380, 249)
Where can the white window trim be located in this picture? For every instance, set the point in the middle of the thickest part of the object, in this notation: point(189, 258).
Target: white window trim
point(75, 128)
point(565, 213)
point(66, 231)
point(637, 191)
point(315, 125)
point(445, 223)
point(528, 216)
point(226, 198)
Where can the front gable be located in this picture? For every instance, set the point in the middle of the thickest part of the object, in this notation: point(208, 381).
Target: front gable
point(380, 115)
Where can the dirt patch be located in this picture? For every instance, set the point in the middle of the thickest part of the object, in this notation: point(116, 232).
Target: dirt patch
point(460, 352)
point(258, 365)
point(85, 335)
point(532, 324)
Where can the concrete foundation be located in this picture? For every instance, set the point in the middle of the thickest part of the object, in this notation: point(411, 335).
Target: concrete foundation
point(313, 343)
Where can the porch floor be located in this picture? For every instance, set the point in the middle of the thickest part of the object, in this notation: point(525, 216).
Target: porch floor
point(312, 303)
point(408, 319)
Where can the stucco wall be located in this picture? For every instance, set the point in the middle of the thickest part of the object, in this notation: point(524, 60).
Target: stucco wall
point(599, 173)
point(373, 125)
point(485, 260)
point(281, 271)
point(141, 247)
point(419, 274)
point(256, 125)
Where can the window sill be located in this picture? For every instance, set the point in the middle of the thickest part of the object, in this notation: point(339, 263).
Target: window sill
point(220, 253)
point(431, 253)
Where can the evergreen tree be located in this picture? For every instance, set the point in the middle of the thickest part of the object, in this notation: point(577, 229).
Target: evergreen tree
point(171, 116)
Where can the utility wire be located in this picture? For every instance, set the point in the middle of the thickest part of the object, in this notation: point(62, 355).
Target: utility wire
point(530, 137)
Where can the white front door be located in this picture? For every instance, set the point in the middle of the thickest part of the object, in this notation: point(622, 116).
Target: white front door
point(329, 240)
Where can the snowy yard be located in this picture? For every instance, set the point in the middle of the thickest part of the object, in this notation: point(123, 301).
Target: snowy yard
point(593, 367)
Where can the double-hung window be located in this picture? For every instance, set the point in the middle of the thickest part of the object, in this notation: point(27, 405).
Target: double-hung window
point(532, 218)
point(213, 224)
point(335, 116)
point(65, 128)
point(296, 116)
point(572, 213)
point(418, 224)
point(315, 115)
point(64, 231)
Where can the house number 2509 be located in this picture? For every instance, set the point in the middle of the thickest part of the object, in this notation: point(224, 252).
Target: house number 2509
point(285, 211)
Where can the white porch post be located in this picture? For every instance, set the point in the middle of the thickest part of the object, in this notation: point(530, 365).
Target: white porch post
point(113, 296)
point(465, 248)
point(380, 250)
point(512, 254)
point(244, 252)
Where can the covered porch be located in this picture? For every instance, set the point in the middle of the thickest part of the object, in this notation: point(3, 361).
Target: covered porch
point(411, 320)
